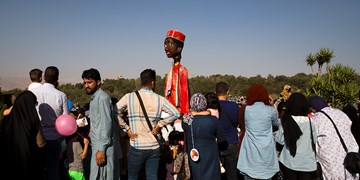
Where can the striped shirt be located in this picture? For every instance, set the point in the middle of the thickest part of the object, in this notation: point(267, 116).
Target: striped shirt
point(154, 105)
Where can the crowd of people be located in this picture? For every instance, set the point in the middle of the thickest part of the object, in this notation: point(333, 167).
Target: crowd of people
point(207, 136)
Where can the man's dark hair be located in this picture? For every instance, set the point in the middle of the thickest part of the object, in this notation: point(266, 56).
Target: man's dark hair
point(221, 88)
point(51, 74)
point(147, 76)
point(35, 75)
point(91, 74)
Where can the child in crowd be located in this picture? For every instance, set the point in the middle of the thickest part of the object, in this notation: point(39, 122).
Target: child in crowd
point(77, 148)
point(177, 159)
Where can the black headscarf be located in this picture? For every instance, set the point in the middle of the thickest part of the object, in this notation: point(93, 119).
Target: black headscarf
point(22, 153)
point(351, 112)
point(296, 105)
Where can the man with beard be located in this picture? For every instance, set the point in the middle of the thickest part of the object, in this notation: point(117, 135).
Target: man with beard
point(104, 160)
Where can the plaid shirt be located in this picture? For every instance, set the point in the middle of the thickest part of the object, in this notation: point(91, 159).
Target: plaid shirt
point(154, 105)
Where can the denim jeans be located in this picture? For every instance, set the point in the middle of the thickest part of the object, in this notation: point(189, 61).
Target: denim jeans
point(137, 158)
point(229, 159)
point(246, 177)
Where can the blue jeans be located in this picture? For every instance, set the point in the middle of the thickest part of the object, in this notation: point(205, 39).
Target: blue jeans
point(246, 177)
point(137, 158)
point(229, 159)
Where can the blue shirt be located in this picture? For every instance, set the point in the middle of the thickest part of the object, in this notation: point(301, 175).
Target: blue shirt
point(101, 132)
point(70, 105)
point(304, 159)
point(102, 137)
point(258, 157)
point(229, 120)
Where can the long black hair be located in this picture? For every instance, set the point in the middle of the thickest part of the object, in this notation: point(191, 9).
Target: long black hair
point(296, 105)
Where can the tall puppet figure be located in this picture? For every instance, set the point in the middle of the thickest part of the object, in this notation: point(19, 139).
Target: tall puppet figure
point(176, 83)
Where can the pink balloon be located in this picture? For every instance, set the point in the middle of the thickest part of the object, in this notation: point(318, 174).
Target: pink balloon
point(66, 125)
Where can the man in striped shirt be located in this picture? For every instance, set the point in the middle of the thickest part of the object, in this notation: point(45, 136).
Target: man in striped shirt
point(144, 146)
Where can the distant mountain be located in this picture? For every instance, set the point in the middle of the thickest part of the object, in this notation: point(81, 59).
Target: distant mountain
point(9, 83)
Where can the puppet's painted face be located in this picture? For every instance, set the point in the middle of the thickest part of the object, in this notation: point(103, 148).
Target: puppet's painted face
point(171, 48)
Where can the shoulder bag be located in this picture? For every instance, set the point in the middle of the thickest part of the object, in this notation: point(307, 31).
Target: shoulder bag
point(351, 161)
point(158, 137)
point(185, 169)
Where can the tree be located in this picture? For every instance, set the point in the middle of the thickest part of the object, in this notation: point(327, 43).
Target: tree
point(239, 85)
point(324, 55)
point(339, 87)
point(310, 61)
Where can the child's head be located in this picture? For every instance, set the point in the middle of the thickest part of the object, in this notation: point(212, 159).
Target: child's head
point(175, 137)
point(36, 75)
point(212, 100)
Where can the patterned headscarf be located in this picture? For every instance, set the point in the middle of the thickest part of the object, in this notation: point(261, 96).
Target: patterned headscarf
point(197, 103)
point(317, 102)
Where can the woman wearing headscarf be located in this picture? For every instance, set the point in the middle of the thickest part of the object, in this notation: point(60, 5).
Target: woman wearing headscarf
point(258, 157)
point(298, 134)
point(204, 137)
point(329, 151)
point(351, 112)
point(22, 139)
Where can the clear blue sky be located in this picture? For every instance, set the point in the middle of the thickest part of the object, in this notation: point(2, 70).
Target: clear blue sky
point(122, 38)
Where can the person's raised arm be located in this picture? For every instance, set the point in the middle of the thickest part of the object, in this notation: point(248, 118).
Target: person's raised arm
point(86, 146)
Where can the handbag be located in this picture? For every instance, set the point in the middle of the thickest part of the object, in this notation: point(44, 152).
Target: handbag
point(351, 160)
point(158, 137)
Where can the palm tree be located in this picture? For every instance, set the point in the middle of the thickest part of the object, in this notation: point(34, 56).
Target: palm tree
point(340, 90)
point(310, 60)
point(324, 55)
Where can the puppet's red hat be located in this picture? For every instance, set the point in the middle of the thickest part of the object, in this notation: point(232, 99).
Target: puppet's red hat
point(176, 35)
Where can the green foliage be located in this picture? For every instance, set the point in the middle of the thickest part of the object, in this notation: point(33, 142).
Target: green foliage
point(340, 87)
point(324, 55)
point(117, 88)
point(15, 91)
point(238, 85)
point(160, 85)
point(201, 84)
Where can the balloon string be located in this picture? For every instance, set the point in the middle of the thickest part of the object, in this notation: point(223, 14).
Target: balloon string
point(82, 136)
